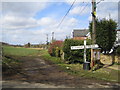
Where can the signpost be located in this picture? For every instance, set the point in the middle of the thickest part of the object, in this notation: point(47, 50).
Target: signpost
point(82, 47)
point(93, 47)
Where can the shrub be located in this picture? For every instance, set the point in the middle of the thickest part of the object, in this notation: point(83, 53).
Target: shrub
point(75, 56)
point(55, 48)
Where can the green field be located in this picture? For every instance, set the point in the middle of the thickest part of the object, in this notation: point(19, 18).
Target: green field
point(19, 51)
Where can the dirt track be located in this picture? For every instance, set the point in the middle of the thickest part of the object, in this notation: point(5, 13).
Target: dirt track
point(38, 73)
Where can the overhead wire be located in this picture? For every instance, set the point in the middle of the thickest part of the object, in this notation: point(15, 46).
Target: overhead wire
point(71, 8)
point(84, 8)
point(66, 13)
point(99, 1)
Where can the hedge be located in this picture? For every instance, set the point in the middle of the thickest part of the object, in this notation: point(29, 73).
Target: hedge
point(75, 56)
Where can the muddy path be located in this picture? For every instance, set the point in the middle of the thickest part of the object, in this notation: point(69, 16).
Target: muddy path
point(45, 74)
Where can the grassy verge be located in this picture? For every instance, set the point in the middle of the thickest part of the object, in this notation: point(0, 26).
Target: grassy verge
point(44, 54)
point(77, 69)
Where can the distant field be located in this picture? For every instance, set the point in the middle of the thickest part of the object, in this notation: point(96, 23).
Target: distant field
point(19, 51)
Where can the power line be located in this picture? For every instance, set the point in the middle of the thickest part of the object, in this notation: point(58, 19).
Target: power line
point(99, 1)
point(66, 14)
point(70, 9)
point(84, 8)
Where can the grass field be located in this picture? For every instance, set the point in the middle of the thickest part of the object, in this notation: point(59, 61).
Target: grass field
point(74, 69)
point(19, 51)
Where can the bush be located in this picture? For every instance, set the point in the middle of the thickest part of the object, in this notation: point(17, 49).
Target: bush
point(75, 56)
point(55, 48)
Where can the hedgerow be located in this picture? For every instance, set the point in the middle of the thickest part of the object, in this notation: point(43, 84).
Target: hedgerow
point(75, 56)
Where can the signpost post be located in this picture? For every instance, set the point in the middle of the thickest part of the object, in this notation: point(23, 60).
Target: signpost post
point(85, 50)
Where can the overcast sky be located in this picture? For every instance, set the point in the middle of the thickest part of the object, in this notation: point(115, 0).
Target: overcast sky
point(24, 22)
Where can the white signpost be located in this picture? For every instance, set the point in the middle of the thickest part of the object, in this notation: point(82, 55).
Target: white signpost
point(84, 47)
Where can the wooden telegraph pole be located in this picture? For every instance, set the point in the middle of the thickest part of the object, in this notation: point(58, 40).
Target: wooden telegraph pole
point(93, 21)
point(47, 39)
point(93, 30)
point(52, 36)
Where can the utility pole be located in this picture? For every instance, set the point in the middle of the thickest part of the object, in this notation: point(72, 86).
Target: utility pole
point(93, 21)
point(47, 39)
point(93, 30)
point(109, 16)
point(52, 36)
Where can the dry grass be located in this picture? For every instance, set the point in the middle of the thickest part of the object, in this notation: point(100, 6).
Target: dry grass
point(107, 59)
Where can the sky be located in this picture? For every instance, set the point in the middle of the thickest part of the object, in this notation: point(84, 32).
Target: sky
point(24, 22)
